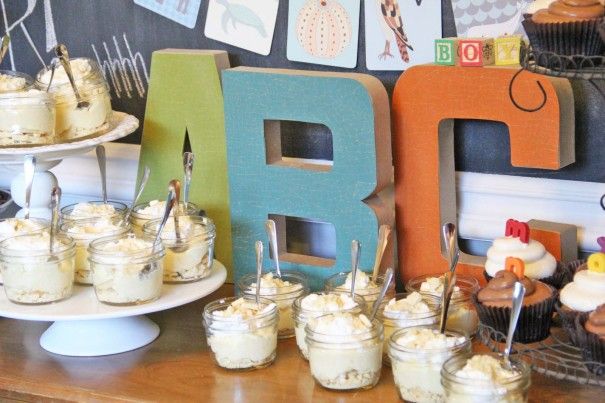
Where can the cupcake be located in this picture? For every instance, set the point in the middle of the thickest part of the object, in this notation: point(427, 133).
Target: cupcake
point(494, 303)
point(590, 335)
point(539, 264)
point(566, 27)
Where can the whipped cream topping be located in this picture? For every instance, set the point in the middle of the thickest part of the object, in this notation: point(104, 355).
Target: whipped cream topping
point(538, 262)
point(91, 210)
point(585, 292)
point(341, 324)
point(427, 339)
point(486, 368)
point(100, 226)
point(187, 228)
point(126, 245)
point(10, 83)
point(271, 285)
point(36, 242)
point(362, 281)
point(155, 209)
point(434, 286)
point(79, 67)
point(242, 309)
point(18, 226)
point(412, 305)
point(327, 302)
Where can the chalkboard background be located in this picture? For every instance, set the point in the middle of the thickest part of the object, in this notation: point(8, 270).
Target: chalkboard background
point(106, 29)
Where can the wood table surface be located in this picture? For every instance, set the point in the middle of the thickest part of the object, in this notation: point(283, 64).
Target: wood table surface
point(178, 366)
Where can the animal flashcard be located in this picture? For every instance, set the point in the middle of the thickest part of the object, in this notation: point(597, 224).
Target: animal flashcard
point(182, 11)
point(489, 18)
point(243, 23)
point(401, 33)
point(323, 32)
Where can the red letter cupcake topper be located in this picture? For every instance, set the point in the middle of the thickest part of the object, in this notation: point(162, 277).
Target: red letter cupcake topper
point(517, 229)
point(515, 265)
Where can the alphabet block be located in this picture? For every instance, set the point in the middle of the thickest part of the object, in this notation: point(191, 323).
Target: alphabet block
point(507, 50)
point(476, 52)
point(446, 51)
point(263, 183)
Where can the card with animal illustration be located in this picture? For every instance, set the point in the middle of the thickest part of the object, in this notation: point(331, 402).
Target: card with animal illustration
point(247, 24)
point(324, 32)
point(182, 11)
point(491, 18)
point(401, 33)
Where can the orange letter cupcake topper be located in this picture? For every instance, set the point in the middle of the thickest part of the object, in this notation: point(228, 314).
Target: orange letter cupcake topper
point(515, 265)
point(517, 229)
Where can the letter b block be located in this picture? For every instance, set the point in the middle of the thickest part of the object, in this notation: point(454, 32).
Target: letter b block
point(446, 51)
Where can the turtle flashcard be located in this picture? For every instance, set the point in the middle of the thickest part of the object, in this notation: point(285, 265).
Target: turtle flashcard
point(182, 11)
point(401, 33)
point(243, 23)
point(323, 32)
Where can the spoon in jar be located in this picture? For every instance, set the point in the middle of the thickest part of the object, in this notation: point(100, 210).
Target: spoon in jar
point(258, 248)
point(355, 253)
point(55, 202)
point(388, 277)
point(63, 55)
point(102, 161)
point(169, 205)
point(6, 40)
point(383, 238)
point(272, 234)
point(175, 186)
point(449, 279)
point(142, 185)
point(188, 160)
point(29, 168)
point(518, 294)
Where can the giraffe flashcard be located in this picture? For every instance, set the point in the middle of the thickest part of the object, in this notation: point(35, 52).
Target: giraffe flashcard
point(243, 23)
point(182, 11)
point(401, 33)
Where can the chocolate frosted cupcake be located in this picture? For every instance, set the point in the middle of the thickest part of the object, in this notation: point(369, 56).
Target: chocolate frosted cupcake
point(566, 27)
point(494, 304)
point(590, 335)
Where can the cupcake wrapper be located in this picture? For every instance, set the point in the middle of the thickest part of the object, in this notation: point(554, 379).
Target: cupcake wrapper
point(602, 30)
point(559, 278)
point(534, 320)
point(592, 347)
point(568, 322)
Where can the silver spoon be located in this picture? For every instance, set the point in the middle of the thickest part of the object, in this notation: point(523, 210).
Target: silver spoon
point(29, 169)
point(188, 160)
point(158, 235)
point(142, 185)
point(388, 277)
point(175, 187)
point(383, 238)
point(449, 279)
point(6, 40)
point(450, 235)
point(102, 161)
point(272, 234)
point(518, 294)
point(355, 253)
point(53, 67)
point(63, 55)
point(55, 202)
point(258, 248)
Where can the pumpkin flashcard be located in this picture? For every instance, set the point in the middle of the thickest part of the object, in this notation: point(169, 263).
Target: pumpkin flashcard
point(182, 11)
point(324, 32)
point(401, 33)
point(242, 23)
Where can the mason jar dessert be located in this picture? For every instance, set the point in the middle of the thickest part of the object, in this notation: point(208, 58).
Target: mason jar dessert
point(126, 270)
point(190, 252)
point(26, 118)
point(32, 273)
point(462, 316)
point(153, 210)
point(12, 227)
point(364, 286)
point(93, 209)
point(283, 291)
point(14, 81)
point(345, 350)
point(485, 378)
point(417, 354)
point(83, 232)
point(318, 304)
point(241, 333)
point(73, 122)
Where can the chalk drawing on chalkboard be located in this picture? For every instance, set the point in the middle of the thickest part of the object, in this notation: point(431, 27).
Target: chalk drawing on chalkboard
point(182, 11)
point(400, 33)
point(242, 23)
point(122, 71)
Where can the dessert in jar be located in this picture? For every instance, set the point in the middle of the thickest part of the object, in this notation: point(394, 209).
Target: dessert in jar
point(417, 354)
point(93, 209)
point(83, 232)
point(364, 286)
point(241, 333)
point(462, 316)
point(153, 210)
point(407, 310)
point(345, 350)
point(73, 122)
point(14, 81)
point(11, 227)
point(283, 291)
point(32, 273)
point(318, 304)
point(190, 252)
point(485, 378)
point(126, 270)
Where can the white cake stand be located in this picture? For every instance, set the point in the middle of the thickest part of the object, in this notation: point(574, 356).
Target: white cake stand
point(49, 156)
point(85, 327)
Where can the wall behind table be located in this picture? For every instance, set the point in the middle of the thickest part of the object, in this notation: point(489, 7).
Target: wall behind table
point(106, 29)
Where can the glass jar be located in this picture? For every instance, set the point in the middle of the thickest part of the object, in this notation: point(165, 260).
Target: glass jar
point(417, 371)
point(462, 316)
point(11, 227)
point(458, 389)
point(14, 81)
point(93, 209)
point(283, 296)
point(346, 362)
point(144, 212)
point(126, 270)
point(83, 232)
point(338, 282)
point(73, 122)
point(33, 274)
point(301, 316)
point(242, 343)
point(189, 256)
point(26, 118)
point(396, 320)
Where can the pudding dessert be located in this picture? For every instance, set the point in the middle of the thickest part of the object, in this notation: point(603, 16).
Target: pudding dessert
point(364, 286)
point(26, 118)
point(12, 227)
point(242, 334)
point(190, 252)
point(283, 291)
point(12, 81)
point(417, 354)
point(345, 350)
point(318, 304)
point(126, 270)
point(153, 210)
point(34, 275)
point(93, 209)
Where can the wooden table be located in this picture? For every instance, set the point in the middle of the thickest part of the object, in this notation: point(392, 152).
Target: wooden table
point(178, 367)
